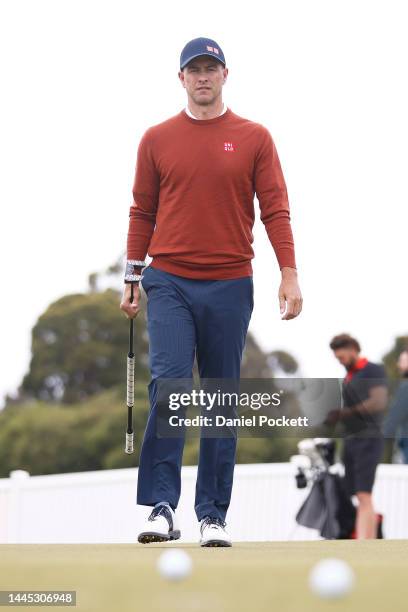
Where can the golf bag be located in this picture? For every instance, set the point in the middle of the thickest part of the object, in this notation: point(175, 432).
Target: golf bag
point(328, 508)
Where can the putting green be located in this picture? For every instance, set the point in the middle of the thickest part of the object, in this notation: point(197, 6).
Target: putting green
point(250, 577)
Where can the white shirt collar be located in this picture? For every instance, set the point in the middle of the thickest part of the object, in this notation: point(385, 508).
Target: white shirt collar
point(190, 114)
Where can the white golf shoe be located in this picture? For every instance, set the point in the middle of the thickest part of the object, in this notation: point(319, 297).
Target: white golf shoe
point(161, 525)
point(213, 532)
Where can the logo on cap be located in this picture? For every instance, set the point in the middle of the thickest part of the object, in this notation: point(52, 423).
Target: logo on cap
point(213, 49)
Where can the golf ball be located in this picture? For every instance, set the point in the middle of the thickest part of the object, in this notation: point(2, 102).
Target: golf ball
point(331, 579)
point(175, 564)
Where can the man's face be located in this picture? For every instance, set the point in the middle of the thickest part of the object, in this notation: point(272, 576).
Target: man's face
point(347, 356)
point(203, 79)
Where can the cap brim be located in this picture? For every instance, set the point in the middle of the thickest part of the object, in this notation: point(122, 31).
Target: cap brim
point(200, 55)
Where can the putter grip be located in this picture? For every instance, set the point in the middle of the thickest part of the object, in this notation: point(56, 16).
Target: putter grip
point(129, 443)
point(130, 381)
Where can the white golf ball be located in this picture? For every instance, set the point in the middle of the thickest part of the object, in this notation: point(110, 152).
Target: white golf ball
point(175, 564)
point(331, 579)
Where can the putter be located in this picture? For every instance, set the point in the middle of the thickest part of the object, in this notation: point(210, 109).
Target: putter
point(130, 385)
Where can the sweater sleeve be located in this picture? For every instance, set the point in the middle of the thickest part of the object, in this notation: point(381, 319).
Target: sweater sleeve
point(142, 215)
point(272, 195)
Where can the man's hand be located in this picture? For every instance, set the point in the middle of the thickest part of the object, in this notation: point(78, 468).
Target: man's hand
point(131, 309)
point(289, 294)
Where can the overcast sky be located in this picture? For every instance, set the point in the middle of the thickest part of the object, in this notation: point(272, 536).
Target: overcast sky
point(82, 80)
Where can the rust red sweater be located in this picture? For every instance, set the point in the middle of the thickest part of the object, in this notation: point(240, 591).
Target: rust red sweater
point(193, 209)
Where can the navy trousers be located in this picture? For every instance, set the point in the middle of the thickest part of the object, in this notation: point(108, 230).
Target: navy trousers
point(186, 318)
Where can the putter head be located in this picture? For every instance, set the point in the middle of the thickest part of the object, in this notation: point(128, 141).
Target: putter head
point(129, 443)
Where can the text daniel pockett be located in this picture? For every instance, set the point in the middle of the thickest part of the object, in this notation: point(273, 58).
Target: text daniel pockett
point(256, 420)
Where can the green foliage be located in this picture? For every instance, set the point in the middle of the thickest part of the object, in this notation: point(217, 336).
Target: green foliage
point(266, 450)
point(71, 411)
point(42, 438)
point(284, 361)
point(79, 348)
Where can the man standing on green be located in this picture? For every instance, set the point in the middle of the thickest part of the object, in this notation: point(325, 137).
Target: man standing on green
point(365, 396)
point(193, 213)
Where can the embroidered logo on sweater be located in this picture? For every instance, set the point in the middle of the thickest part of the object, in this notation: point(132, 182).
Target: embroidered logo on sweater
point(228, 146)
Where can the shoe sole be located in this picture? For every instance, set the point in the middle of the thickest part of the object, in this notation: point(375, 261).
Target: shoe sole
point(215, 543)
point(148, 537)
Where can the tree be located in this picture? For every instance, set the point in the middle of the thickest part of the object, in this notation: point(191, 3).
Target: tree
point(79, 348)
point(43, 439)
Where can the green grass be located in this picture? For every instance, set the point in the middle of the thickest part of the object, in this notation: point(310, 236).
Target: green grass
point(250, 577)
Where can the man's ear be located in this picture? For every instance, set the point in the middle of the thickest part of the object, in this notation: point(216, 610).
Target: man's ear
point(181, 77)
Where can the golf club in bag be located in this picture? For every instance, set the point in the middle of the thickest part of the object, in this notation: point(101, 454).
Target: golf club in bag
point(130, 384)
point(328, 508)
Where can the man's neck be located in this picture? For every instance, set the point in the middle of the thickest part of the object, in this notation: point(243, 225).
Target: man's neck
point(358, 363)
point(198, 112)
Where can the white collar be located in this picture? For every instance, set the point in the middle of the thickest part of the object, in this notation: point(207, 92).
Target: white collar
point(190, 114)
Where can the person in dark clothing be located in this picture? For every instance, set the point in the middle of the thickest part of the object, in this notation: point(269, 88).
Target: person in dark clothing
point(397, 420)
point(365, 395)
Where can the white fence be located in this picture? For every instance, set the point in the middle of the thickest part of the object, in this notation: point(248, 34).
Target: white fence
point(100, 507)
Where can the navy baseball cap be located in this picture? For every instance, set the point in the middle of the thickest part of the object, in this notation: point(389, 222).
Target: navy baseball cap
point(201, 46)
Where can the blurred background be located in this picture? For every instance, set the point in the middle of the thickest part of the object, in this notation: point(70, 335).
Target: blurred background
point(81, 82)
